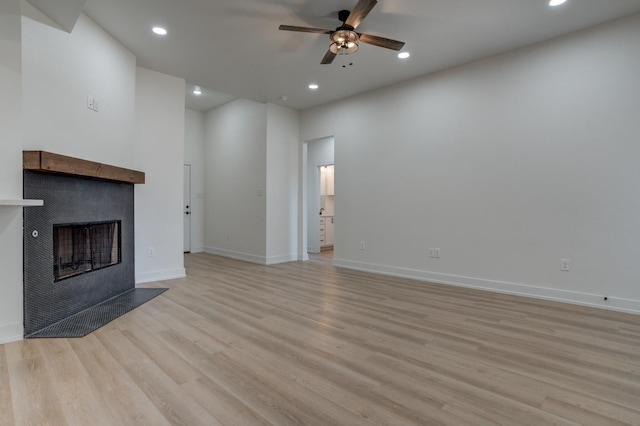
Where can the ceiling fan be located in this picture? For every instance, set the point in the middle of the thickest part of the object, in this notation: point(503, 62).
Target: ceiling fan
point(344, 40)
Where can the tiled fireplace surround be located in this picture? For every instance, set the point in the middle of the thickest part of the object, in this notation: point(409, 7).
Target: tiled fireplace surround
point(74, 191)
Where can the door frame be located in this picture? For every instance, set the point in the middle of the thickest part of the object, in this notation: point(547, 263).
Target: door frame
point(303, 194)
point(187, 209)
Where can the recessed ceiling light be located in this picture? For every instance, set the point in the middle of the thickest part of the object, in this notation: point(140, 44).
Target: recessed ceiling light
point(403, 55)
point(556, 2)
point(313, 86)
point(159, 30)
point(197, 91)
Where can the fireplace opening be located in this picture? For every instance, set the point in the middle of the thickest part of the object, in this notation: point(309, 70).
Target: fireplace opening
point(79, 248)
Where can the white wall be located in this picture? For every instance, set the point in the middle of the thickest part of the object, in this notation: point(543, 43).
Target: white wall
point(235, 195)
point(11, 318)
point(159, 150)
point(60, 70)
point(194, 155)
point(507, 165)
point(283, 139)
point(45, 78)
point(139, 125)
point(319, 153)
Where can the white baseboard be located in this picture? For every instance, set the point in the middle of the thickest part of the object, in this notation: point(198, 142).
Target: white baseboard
point(284, 258)
point(11, 332)
point(197, 250)
point(167, 274)
point(252, 258)
point(576, 298)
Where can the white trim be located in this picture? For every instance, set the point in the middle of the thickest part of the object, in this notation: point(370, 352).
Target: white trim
point(252, 258)
point(11, 333)
point(575, 298)
point(167, 274)
point(198, 249)
point(283, 258)
point(22, 203)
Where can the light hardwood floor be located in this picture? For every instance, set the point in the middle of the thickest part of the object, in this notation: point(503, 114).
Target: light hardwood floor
point(306, 343)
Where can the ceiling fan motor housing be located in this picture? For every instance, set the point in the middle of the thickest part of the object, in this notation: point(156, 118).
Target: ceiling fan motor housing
point(343, 15)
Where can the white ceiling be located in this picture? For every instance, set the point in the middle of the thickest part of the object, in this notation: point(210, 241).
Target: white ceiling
point(64, 13)
point(233, 48)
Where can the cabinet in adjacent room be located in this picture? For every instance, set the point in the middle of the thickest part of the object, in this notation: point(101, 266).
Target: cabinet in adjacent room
point(329, 231)
point(329, 179)
point(323, 231)
point(326, 232)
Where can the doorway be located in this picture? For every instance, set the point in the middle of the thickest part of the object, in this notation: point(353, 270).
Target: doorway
point(327, 215)
point(187, 208)
point(320, 204)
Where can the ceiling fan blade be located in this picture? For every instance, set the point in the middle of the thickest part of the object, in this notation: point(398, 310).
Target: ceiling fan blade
point(381, 41)
point(328, 57)
point(305, 29)
point(359, 12)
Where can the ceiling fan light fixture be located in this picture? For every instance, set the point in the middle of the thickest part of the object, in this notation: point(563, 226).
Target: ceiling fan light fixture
point(554, 3)
point(344, 42)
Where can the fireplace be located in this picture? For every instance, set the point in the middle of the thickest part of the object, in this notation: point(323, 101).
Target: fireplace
point(79, 246)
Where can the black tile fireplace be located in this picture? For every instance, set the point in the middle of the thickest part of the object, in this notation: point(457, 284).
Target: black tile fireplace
point(78, 247)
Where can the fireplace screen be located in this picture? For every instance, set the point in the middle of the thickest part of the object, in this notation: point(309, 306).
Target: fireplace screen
point(84, 247)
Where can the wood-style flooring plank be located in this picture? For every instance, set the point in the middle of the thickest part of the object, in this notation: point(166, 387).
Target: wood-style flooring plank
point(127, 403)
point(34, 394)
point(83, 403)
point(304, 343)
point(156, 385)
point(6, 406)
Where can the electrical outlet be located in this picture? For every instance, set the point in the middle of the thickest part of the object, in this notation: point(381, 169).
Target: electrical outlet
point(95, 105)
point(90, 102)
point(152, 251)
point(436, 253)
point(361, 245)
point(430, 253)
point(564, 265)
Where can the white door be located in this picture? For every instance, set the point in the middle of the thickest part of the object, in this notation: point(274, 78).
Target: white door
point(187, 208)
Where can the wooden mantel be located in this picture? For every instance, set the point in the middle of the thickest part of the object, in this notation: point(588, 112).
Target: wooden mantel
point(48, 162)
